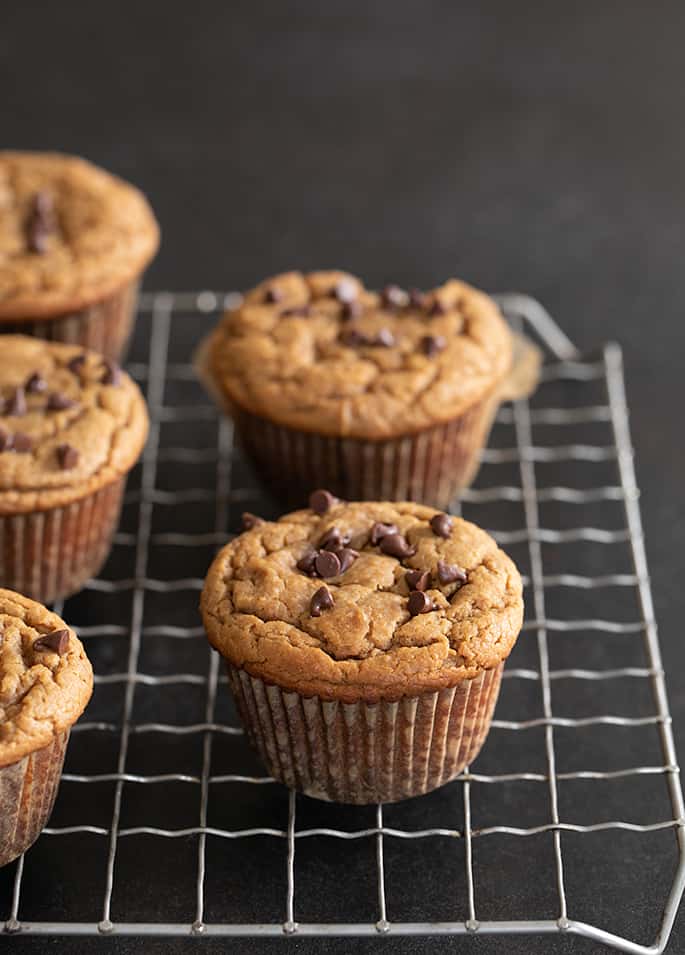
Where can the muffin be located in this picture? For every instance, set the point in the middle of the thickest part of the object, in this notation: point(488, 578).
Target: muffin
point(45, 684)
point(364, 643)
point(72, 425)
point(74, 242)
point(376, 396)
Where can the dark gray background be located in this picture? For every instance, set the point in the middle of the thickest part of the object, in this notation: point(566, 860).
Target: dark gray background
point(529, 146)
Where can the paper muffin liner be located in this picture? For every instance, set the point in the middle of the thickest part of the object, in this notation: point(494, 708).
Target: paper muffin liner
point(366, 752)
point(430, 466)
point(27, 794)
point(104, 327)
point(48, 555)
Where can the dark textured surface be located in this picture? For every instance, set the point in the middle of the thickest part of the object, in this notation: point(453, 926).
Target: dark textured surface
point(528, 146)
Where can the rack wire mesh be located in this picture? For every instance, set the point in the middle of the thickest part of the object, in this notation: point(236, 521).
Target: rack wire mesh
point(161, 724)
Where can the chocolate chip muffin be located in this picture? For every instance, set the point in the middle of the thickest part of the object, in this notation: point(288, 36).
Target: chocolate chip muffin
point(364, 643)
point(377, 396)
point(72, 425)
point(45, 684)
point(74, 242)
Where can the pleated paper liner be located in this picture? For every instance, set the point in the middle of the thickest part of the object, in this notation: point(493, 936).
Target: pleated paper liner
point(366, 752)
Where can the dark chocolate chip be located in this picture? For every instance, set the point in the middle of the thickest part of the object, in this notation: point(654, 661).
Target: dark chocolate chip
point(5, 440)
point(417, 298)
point(450, 573)
point(41, 222)
point(20, 442)
point(419, 602)
point(345, 291)
point(394, 297)
point(59, 402)
point(347, 557)
point(431, 345)
point(302, 311)
point(384, 338)
point(16, 403)
point(436, 307)
point(379, 531)
point(75, 363)
point(67, 456)
point(250, 521)
point(327, 564)
point(306, 564)
point(353, 338)
point(396, 545)
point(57, 642)
point(351, 310)
point(334, 539)
point(273, 295)
point(417, 579)
point(321, 501)
point(441, 525)
point(111, 374)
point(321, 600)
point(35, 383)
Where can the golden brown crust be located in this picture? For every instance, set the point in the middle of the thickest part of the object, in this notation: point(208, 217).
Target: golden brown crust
point(104, 235)
point(41, 692)
point(256, 606)
point(105, 424)
point(301, 371)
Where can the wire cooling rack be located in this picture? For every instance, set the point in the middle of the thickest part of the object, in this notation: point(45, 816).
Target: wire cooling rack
point(575, 801)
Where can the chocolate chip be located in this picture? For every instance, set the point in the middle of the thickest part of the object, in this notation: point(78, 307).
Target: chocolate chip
point(419, 602)
point(321, 600)
point(59, 402)
point(417, 298)
point(75, 363)
point(321, 501)
point(436, 307)
point(35, 383)
point(67, 456)
point(57, 641)
point(394, 297)
point(327, 564)
point(432, 344)
point(396, 545)
point(303, 311)
point(345, 291)
point(250, 521)
point(351, 310)
point(441, 525)
point(417, 579)
point(41, 222)
point(20, 442)
point(353, 338)
point(16, 403)
point(347, 557)
point(5, 440)
point(379, 531)
point(384, 338)
point(273, 295)
point(306, 564)
point(334, 539)
point(111, 374)
point(450, 573)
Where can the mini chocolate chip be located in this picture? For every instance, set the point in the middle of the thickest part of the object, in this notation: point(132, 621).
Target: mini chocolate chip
point(327, 564)
point(394, 297)
point(67, 456)
point(419, 602)
point(20, 442)
point(351, 310)
point(321, 600)
point(396, 545)
point(384, 338)
point(273, 295)
point(16, 403)
point(5, 440)
point(432, 344)
point(347, 557)
point(441, 525)
point(321, 501)
point(417, 579)
point(436, 307)
point(41, 222)
point(334, 539)
point(35, 383)
point(250, 521)
point(450, 573)
point(59, 402)
point(353, 338)
point(417, 298)
point(298, 310)
point(75, 363)
point(345, 291)
point(57, 642)
point(379, 531)
point(306, 564)
point(111, 374)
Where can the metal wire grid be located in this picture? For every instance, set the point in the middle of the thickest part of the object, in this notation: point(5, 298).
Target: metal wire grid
point(153, 375)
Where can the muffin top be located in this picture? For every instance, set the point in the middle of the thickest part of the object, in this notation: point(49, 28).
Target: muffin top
point(70, 422)
point(369, 601)
point(45, 677)
point(70, 234)
point(321, 353)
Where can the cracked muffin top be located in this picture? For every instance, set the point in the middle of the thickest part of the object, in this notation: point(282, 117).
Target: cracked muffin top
point(45, 677)
point(70, 234)
point(71, 421)
point(321, 353)
point(371, 601)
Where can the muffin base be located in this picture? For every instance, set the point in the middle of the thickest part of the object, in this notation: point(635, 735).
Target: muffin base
point(48, 555)
point(431, 466)
point(366, 752)
point(28, 789)
point(104, 326)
